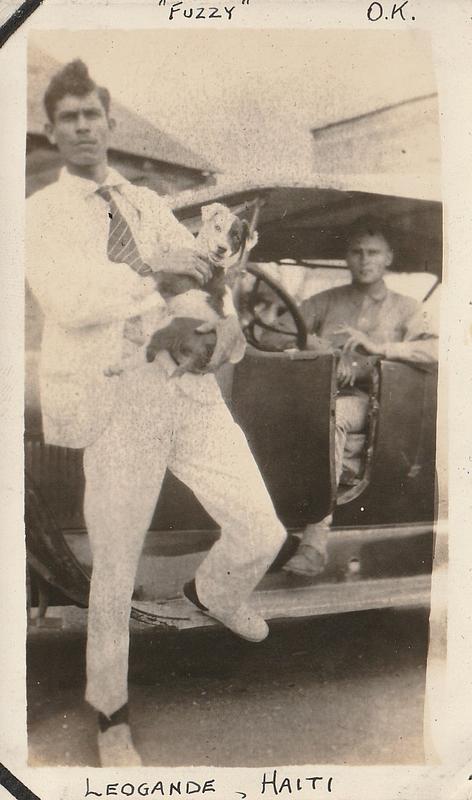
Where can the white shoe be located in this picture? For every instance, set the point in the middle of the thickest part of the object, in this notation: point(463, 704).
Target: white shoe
point(244, 622)
point(116, 748)
point(311, 557)
point(306, 561)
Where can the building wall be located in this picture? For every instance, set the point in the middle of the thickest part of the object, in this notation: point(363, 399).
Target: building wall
point(401, 140)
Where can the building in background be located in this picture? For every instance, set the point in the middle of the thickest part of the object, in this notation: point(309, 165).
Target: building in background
point(141, 152)
point(400, 141)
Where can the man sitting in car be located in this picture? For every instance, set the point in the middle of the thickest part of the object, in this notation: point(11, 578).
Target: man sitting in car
point(361, 321)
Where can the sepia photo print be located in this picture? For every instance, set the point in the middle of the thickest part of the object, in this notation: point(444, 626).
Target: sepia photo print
point(233, 494)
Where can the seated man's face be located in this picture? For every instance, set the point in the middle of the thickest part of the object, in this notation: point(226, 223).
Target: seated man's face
point(368, 258)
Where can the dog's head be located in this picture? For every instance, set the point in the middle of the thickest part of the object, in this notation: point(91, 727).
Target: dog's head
point(223, 236)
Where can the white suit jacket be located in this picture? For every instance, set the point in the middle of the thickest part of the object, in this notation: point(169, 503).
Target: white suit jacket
point(86, 298)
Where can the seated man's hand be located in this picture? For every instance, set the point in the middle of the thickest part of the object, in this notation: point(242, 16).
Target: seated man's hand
point(230, 341)
point(192, 351)
point(186, 261)
point(356, 339)
point(345, 372)
point(354, 367)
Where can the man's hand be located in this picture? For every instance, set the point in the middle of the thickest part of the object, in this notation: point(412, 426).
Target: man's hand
point(190, 350)
point(186, 261)
point(358, 339)
point(354, 367)
point(230, 341)
point(345, 372)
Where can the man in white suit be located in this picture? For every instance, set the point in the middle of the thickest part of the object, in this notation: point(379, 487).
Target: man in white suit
point(93, 240)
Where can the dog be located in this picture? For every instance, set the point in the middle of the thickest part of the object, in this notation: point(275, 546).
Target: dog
point(223, 240)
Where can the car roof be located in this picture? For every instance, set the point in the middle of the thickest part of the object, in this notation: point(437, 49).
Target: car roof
point(400, 186)
point(305, 220)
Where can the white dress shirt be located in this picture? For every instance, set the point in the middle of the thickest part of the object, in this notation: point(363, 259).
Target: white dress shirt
point(68, 269)
point(86, 298)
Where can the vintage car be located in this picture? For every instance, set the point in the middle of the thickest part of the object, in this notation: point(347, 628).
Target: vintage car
point(385, 521)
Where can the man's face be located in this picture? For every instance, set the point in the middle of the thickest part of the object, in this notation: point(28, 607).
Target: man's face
point(81, 129)
point(368, 257)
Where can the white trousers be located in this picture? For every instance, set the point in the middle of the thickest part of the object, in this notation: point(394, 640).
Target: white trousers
point(157, 425)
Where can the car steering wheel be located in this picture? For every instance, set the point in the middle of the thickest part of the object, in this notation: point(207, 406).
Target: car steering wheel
point(255, 321)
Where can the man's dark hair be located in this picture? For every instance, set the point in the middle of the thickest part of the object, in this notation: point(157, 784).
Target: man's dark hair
point(369, 225)
point(72, 79)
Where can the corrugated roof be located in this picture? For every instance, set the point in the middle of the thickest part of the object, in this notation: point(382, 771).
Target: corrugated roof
point(134, 134)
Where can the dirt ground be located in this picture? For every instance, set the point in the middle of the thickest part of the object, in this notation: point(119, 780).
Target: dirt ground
point(345, 690)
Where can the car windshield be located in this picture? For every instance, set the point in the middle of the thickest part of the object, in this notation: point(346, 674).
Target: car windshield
point(306, 278)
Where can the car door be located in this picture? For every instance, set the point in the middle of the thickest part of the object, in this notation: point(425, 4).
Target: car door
point(285, 404)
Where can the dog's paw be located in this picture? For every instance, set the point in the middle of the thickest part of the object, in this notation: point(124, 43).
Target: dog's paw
point(185, 367)
point(151, 354)
point(179, 371)
point(193, 364)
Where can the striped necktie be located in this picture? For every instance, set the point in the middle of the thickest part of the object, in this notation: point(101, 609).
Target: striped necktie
point(122, 247)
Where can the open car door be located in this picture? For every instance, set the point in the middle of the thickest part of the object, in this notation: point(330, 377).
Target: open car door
point(286, 405)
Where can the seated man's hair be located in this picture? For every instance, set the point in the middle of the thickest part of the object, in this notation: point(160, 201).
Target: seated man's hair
point(369, 225)
point(72, 79)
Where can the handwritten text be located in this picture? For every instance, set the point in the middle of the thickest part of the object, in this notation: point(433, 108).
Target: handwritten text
point(275, 785)
point(178, 9)
point(389, 11)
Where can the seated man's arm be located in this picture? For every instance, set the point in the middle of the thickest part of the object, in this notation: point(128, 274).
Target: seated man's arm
point(420, 342)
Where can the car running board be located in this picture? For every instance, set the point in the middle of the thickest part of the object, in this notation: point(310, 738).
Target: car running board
point(298, 601)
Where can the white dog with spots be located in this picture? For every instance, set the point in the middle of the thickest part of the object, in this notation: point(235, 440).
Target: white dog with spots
point(222, 241)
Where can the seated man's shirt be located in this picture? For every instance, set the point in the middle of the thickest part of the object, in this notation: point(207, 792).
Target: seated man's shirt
point(393, 320)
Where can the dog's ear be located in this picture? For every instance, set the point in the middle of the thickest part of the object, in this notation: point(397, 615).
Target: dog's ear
point(208, 212)
point(248, 239)
point(238, 234)
point(244, 233)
